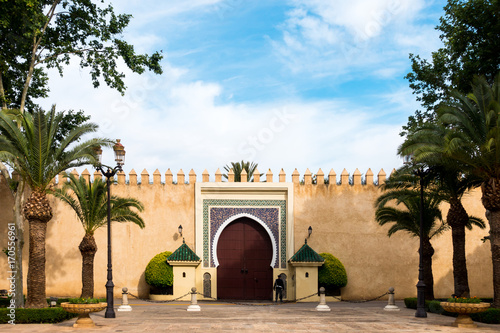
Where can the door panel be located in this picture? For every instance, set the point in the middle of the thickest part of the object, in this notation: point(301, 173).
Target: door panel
point(245, 252)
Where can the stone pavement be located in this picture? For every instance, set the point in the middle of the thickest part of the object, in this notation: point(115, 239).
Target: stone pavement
point(259, 317)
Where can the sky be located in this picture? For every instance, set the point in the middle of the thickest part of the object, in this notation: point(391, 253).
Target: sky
point(303, 84)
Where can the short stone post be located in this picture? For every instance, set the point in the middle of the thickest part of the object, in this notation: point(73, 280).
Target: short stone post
point(322, 301)
point(391, 305)
point(124, 306)
point(194, 302)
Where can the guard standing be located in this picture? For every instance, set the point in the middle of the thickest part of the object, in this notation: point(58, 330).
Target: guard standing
point(279, 286)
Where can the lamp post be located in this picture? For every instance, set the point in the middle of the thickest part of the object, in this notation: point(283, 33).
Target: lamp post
point(421, 284)
point(309, 231)
point(109, 173)
point(420, 172)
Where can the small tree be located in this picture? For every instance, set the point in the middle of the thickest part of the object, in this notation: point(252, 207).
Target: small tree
point(36, 155)
point(90, 206)
point(407, 218)
point(159, 274)
point(238, 168)
point(332, 275)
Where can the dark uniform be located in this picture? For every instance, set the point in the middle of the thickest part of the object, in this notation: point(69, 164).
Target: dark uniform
point(279, 286)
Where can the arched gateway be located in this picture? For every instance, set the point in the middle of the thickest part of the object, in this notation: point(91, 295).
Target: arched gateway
point(244, 253)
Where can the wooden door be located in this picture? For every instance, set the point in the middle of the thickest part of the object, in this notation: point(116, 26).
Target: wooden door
point(245, 253)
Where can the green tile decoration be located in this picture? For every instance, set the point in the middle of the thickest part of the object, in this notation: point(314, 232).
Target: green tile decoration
point(233, 203)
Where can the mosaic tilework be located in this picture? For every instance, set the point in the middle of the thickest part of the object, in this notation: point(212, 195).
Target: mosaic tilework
point(245, 206)
point(270, 216)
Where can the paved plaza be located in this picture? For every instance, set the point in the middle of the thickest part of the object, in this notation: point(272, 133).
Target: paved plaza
point(259, 317)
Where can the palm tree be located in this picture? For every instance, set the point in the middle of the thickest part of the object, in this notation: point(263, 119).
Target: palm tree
point(238, 168)
point(33, 152)
point(408, 219)
point(473, 139)
point(89, 201)
point(453, 184)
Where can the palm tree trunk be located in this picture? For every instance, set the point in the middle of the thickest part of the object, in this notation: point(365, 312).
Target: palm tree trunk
point(38, 212)
point(457, 218)
point(491, 201)
point(494, 221)
point(88, 248)
point(427, 254)
point(36, 268)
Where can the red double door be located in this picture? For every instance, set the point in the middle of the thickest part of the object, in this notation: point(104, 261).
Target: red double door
point(245, 253)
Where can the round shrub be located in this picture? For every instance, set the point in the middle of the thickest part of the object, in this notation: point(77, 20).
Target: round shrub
point(332, 274)
point(159, 274)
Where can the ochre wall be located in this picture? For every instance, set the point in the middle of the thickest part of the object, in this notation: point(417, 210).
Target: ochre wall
point(342, 218)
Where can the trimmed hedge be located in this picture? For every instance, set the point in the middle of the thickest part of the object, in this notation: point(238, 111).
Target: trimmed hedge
point(332, 274)
point(490, 316)
point(65, 300)
point(158, 272)
point(36, 316)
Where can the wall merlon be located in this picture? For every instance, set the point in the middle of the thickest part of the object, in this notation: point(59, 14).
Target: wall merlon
point(332, 177)
point(269, 176)
point(356, 177)
point(344, 178)
point(218, 176)
point(230, 176)
point(381, 177)
point(282, 176)
point(86, 175)
point(392, 172)
point(157, 177)
point(145, 177)
point(97, 175)
point(121, 177)
point(74, 173)
point(256, 176)
point(192, 177)
point(205, 176)
point(295, 176)
point(369, 177)
point(320, 177)
point(132, 176)
point(181, 177)
point(169, 177)
point(244, 176)
point(308, 177)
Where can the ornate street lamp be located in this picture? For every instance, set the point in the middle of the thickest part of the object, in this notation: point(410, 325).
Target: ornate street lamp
point(420, 172)
point(109, 173)
point(309, 231)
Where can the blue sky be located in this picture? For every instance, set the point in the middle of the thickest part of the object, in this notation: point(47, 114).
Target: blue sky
point(288, 84)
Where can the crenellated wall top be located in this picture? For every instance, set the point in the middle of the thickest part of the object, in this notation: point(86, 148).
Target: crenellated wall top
point(308, 178)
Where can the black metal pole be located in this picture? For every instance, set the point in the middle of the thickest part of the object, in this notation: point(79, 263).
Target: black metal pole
point(421, 284)
point(110, 311)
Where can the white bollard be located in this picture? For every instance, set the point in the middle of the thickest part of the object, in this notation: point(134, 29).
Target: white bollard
point(194, 302)
point(322, 301)
point(391, 305)
point(125, 306)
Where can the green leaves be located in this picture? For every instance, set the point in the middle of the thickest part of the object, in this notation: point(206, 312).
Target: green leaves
point(405, 214)
point(89, 201)
point(470, 31)
point(238, 168)
point(45, 34)
point(35, 152)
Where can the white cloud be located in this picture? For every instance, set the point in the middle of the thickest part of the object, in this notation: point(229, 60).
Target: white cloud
point(334, 37)
point(167, 122)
